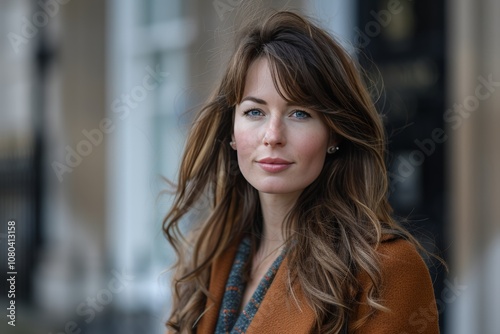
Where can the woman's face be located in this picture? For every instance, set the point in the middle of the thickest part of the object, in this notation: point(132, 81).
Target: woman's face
point(281, 148)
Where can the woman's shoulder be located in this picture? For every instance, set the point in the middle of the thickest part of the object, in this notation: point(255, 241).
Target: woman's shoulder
point(401, 265)
point(406, 291)
point(397, 254)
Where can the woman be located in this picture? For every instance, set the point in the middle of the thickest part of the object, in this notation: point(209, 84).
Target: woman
point(299, 236)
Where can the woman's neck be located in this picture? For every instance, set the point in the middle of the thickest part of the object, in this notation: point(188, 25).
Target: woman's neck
point(274, 208)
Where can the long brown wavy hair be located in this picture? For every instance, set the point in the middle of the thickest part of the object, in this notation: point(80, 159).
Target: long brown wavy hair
point(338, 220)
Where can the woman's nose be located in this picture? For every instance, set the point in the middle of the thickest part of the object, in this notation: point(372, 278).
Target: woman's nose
point(275, 133)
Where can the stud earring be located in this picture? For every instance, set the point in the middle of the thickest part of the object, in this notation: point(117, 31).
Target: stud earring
point(332, 149)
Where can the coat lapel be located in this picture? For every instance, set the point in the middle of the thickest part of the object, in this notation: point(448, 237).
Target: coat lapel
point(218, 278)
point(281, 313)
point(278, 312)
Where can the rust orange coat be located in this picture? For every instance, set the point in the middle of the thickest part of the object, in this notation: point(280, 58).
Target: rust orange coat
point(407, 291)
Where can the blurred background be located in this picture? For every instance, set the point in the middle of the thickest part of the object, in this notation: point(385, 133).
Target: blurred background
point(94, 101)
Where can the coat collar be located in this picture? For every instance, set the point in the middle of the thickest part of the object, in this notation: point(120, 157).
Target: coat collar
point(279, 311)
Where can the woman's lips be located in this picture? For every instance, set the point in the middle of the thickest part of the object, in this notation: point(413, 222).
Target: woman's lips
point(274, 165)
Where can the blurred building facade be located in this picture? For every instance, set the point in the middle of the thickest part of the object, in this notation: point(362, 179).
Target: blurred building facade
point(95, 99)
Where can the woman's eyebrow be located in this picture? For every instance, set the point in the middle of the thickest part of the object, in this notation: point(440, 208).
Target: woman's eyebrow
point(261, 101)
point(253, 99)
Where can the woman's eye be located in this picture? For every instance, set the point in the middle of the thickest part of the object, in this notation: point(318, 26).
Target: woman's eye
point(253, 113)
point(301, 114)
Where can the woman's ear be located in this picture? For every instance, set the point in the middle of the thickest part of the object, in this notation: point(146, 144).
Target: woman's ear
point(232, 143)
point(333, 144)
